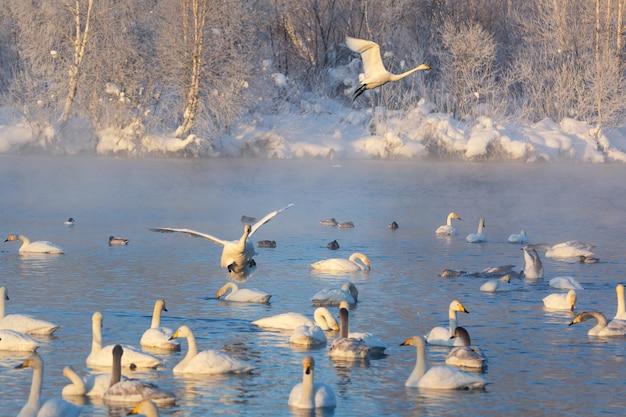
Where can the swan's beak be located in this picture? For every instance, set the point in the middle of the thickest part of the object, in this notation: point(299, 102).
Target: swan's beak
point(24, 364)
point(174, 336)
point(307, 368)
point(407, 342)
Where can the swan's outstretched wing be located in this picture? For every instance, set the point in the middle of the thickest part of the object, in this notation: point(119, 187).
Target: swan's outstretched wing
point(192, 233)
point(370, 54)
point(264, 220)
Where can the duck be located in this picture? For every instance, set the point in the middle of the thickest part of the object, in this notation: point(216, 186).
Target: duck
point(374, 73)
point(289, 321)
point(447, 229)
point(565, 283)
point(466, 356)
point(14, 341)
point(346, 347)
point(344, 265)
point(146, 408)
point(248, 219)
point(565, 301)
point(157, 336)
point(496, 285)
point(308, 336)
point(438, 377)
point(569, 249)
point(518, 237)
point(533, 267)
point(443, 336)
point(237, 255)
point(333, 296)
point(602, 328)
point(38, 246)
point(309, 394)
point(21, 322)
point(479, 236)
point(131, 390)
point(242, 295)
point(266, 244)
point(69, 222)
point(43, 407)
point(207, 362)
point(588, 259)
point(345, 225)
point(621, 305)
point(489, 272)
point(100, 357)
point(334, 245)
point(94, 385)
point(393, 225)
point(117, 241)
point(329, 222)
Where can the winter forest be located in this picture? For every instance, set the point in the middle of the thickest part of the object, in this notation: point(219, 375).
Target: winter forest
point(189, 71)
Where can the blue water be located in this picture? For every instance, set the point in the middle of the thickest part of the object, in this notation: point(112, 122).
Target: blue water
point(538, 365)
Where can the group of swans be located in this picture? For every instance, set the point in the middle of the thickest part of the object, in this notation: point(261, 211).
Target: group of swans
point(603, 327)
point(444, 336)
point(38, 246)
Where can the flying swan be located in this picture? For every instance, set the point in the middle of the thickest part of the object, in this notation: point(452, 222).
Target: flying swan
point(289, 321)
point(237, 255)
point(39, 246)
point(157, 336)
point(21, 322)
point(343, 265)
point(447, 229)
point(309, 394)
point(242, 295)
point(375, 73)
point(444, 336)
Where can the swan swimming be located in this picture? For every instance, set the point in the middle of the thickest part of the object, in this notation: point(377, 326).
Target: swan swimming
point(560, 301)
point(237, 255)
point(117, 241)
point(569, 249)
point(533, 268)
point(518, 237)
point(208, 362)
point(438, 377)
point(93, 385)
point(621, 306)
point(43, 407)
point(602, 328)
point(21, 322)
point(444, 336)
point(39, 246)
point(376, 346)
point(344, 265)
point(14, 341)
point(157, 336)
point(346, 347)
point(242, 295)
point(467, 356)
point(479, 236)
point(447, 229)
point(289, 321)
point(309, 336)
point(374, 72)
point(333, 296)
point(146, 408)
point(565, 283)
point(496, 285)
point(309, 394)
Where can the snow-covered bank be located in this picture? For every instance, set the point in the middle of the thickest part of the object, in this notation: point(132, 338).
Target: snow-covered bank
point(324, 128)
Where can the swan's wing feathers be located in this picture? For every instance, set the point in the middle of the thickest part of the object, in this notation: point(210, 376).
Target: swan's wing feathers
point(266, 219)
point(370, 54)
point(191, 233)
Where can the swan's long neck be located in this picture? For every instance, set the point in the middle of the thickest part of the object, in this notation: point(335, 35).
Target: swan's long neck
point(453, 320)
point(344, 327)
point(396, 77)
point(420, 363)
point(481, 224)
point(621, 306)
point(96, 339)
point(3, 296)
point(156, 314)
point(35, 389)
point(362, 258)
point(192, 348)
point(77, 381)
point(241, 246)
point(116, 369)
point(449, 222)
point(323, 318)
point(307, 395)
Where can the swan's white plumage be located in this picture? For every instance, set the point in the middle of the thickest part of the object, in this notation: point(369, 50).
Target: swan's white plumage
point(157, 336)
point(518, 237)
point(565, 283)
point(343, 265)
point(569, 249)
point(447, 229)
point(466, 356)
point(39, 246)
point(346, 346)
point(237, 255)
point(560, 301)
point(41, 407)
point(21, 322)
point(93, 385)
point(242, 295)
point(438, 377)
point(621, 305)
point(147, 408)
point(333, 296)
point(14, 341)
point(602, 328)
point(208, 362)
point(496, 285)
point(309, 336)
point(374, 344)
point(479, 236)
point(533, 267)
point(309, 394)
point(443, 336)
point(289, 321)
point(100, 357)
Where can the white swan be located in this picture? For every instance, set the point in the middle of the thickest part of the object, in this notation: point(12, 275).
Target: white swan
point(42, 407)
point(157, 336)
point(333, 296)
point(207, 361)
point(569, 249)
point(438, 377)
point(131, 391)
point(533, 267)
point(479, 236)
point(444, 336)
point(602, 328)
point(374, 72)
point(100, 357)
point(447, 229)
point(39, 246)
point(14, 341)
point(237, 255)
point(496, 285)
point(91, 385)
point(346, 347)
point(466, 356)
point(146, 408)
point(289, 321)
point(242, 295)
point(560, 301)
point(565, 283)
point(117, 241)
point(343, 265)
point(621, 306)
point(518, 237)
point(376, 346)
point(309, 336)
point(309, 394)
point(21, 322)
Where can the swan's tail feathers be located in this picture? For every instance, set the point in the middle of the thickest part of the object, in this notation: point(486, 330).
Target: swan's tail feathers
point(359, 91)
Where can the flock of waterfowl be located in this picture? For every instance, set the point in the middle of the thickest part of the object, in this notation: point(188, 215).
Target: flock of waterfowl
point(238, 258)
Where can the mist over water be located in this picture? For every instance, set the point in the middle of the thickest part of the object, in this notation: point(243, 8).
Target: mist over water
point(537, 364)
